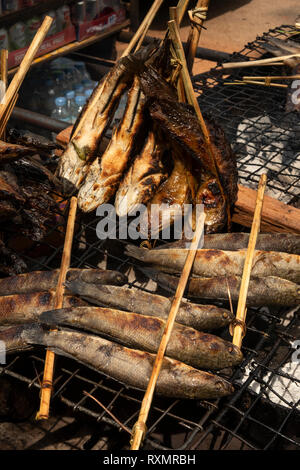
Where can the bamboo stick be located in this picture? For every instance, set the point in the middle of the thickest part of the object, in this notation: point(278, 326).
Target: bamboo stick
point(3, 77)
point(140, 425)
point(144, 26)
point(273, 77)
point(191, 97)
point(174, 15)
point(197, 18)
point(46, 390)
point(25, 64)
point(253, 63)
point(7, 115)
point(241, 307)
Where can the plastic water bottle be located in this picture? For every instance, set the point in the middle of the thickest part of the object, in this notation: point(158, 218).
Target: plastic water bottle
point(50, 97)
point(60, 112)
point(78, 89)
point(79, 104)
point(83, 73)
point(87, 84)
point(70, 105)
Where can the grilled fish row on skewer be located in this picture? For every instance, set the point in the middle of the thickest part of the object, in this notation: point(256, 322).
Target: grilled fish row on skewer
point(210, 263)
point(129, 366)
point(269, 290)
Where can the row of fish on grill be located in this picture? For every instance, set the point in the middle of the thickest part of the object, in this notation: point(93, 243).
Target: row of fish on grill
point(157, 153)
point(116, 329)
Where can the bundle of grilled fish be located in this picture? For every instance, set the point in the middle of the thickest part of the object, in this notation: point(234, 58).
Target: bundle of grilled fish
point(275, 275)
point(127, 335)
point(27, 204)
point(286, 47)
point(157, 153)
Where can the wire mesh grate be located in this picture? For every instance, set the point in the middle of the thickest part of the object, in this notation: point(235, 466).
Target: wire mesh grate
point(263, 412)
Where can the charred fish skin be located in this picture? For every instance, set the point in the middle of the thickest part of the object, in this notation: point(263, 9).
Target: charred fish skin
point(106, 172)
point(22, 308)
point(83, 146)
point(200, 350)
point(131, 366)
point(142, 178)
point(283, 242)
point(211, 262)
point(269, 290)
point(200, 317)
point(37, 281)
point(11, 337)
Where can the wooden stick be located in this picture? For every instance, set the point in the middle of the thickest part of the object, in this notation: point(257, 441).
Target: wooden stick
point(273, 77)
point(46, 390)
point(191, 97)
point(25, 64)
point(253, 63)
point(144, 26)
point(197, 18)
point(241, 307)
point(140, 426)
point(174, 15)
point(7, 115)
point(3, 77)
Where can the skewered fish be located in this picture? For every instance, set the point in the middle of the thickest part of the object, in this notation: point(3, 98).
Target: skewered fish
point(167, 203)
point(210, 263)
point(181, 125)
point(201, 350)
point(131, 366)
point(21, 308)
point(283, 242)
point(94, 121)
point(105, 173)
point(37, 281)
point(10, 152)
point(142, 178)
point(200, 317)
point(269, 290)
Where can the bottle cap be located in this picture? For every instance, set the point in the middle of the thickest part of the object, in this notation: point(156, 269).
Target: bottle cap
point(80, 99)
point(60, 101)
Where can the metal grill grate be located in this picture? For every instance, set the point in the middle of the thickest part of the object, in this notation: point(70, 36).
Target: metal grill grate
point(260, 414)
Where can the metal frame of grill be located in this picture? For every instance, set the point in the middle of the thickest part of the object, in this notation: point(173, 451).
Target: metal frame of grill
point(245, 420)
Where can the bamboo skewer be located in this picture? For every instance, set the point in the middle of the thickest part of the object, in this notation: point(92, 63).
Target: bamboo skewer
point(140, 426)
point(143, 28)
point(46, 389)
point(255, 82)
point(197, 18)
point(3, 77)
point(7, 115)
point(16, 82)
point(191, 97)
point(239, 327)
point(253, 63)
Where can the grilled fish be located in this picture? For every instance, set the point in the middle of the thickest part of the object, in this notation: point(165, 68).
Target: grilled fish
point(167, 203)
point(142, 178)
point(21, 308)
point(105, 173)
point(269, 290)
point(11, 337)
point(10, 152)
point(283, 242)
point(83, 145)
point(131, 366)
point(182, 127)
point(37, 281)
point(201, 350)
point(210, 263)
point(200, 317)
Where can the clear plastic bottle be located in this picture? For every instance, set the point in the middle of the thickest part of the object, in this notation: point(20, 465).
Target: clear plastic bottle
point(79, 104)
point(60, 111)
point(70, 105)
point(78, 89)
point(82, 72)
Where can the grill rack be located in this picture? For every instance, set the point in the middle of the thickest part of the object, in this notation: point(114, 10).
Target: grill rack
point(245, 420)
